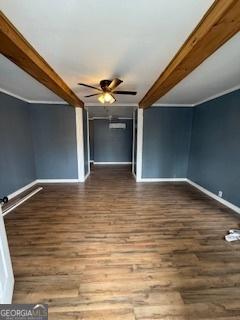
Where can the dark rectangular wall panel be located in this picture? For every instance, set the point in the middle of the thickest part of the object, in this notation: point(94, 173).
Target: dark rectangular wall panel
point(54, 134)
point(112, 145)
point(215, 147)
point(166, 142)
point(17, 168)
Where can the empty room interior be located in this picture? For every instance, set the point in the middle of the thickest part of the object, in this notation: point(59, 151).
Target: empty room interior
point(120, 159)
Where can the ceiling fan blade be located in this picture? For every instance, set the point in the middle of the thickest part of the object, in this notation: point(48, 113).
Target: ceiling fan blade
point(92, 95)
point(133, 93)
point(114, 84)
point(86, 85)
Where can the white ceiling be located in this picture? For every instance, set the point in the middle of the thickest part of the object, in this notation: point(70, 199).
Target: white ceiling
point(22, 85)
point(219, 73)
point(92, 40)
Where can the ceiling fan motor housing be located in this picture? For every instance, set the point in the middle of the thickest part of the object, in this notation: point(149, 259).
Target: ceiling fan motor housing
point(104, 85)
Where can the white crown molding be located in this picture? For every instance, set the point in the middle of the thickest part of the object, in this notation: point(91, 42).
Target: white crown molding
point(172, 105)
point(220, 94)
point(31, 101)
point(217, 95)
point(47, 102)
point(13, 95)
point(133, 105)
point(98, 104)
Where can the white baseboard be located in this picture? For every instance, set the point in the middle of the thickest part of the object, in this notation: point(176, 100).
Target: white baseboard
point(87, 175)
point(214, 196)
point(31, 194)
point(58, 180)
point(162, 180)
point(21, 190)
point(133, 173)
point(33, 183)
point(112, 162)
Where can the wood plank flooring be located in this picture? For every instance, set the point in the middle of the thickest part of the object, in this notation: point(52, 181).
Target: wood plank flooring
point(116, 249)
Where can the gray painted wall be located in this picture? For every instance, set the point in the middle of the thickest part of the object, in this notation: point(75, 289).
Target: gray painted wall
point(166, 142)
point(112, 145)
point(85, 142)
point(54, 135)
point(215, 147)
point(17, 167)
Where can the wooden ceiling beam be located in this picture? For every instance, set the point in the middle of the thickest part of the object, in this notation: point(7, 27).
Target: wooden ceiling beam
point(219, 24)
point(17, 49)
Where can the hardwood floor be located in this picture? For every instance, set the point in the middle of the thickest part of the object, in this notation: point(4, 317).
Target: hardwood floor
point(115, 249)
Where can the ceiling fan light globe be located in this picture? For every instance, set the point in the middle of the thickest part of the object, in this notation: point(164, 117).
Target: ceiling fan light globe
point(106, 98)
point(112, 100)
point(101, 98)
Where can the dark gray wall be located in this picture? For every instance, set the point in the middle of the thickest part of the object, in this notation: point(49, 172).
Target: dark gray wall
point(112, 145)
point(54, 134)
point(215, 147)
point(166, 142)
point(85, 142)
point(17, 167)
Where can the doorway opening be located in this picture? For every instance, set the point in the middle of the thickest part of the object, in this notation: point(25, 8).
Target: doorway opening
point(112, 137)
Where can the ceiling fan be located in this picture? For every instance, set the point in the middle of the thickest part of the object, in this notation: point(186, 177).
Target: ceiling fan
point(107, 90)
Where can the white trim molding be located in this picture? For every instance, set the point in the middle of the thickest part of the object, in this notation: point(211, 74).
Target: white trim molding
point(31, 101)
point(31, 194)
point(13, 95)
point(88, 145)
point(111, 162)
point(37, 181)
point(80, 143)
point(177, 105)
point(107, 118)
point(135, 105)
point(97, 104)
point(21, 190)
point(223, 93)
point(214, 196)
point(86, 176)
point(139, 144)
point(58, 180)
point(197, 186)
point(133, 143)
point(163, 180)
point(47, 102)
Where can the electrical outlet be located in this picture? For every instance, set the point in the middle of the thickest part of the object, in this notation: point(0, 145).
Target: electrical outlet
point(220, 194)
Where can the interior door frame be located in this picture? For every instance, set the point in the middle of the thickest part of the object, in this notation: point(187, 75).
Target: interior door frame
point(88, 141)
point(133, 144)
